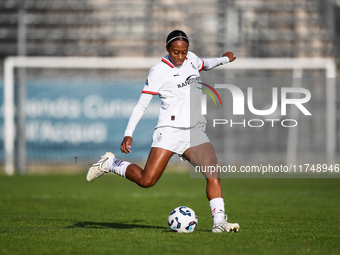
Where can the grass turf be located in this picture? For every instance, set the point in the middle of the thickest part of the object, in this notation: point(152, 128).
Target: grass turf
point(66, 215)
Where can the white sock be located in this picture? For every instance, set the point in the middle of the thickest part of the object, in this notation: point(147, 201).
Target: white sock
point(217, 209)
point(118, 166)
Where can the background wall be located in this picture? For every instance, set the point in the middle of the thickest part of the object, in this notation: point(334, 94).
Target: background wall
point(76, 115)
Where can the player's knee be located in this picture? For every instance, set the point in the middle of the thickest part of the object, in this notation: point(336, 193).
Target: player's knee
point(214, 181)
point(147, 183)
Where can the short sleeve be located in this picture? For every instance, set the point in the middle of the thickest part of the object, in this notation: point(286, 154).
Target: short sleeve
point(200, 64)
point(153, 83)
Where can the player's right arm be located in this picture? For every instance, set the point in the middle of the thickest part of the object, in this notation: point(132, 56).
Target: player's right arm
point(136, 115)
point(151, 88)
point(126, 144)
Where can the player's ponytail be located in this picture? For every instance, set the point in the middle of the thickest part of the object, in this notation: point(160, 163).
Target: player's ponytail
point(176, 35)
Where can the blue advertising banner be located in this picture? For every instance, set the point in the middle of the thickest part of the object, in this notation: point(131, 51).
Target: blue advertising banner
point(68, 120)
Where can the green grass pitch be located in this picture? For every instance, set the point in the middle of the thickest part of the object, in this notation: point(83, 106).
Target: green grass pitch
point(63, 214)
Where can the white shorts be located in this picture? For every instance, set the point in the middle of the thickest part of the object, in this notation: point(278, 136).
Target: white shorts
point(178, 140)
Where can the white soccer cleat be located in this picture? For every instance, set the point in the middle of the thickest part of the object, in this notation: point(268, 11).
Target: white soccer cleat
point(224, 226)
point(100, 168)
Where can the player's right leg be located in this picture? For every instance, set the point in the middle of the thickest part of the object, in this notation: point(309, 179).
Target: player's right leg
point(154, 168)
point(99, 168)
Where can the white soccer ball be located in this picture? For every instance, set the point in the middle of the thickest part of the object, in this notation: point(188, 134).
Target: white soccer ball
point(182, 220)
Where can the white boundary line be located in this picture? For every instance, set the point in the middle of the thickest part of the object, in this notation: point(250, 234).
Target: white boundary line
point(11, 63)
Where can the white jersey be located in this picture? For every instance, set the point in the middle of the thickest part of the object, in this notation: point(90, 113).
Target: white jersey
point(178, 89)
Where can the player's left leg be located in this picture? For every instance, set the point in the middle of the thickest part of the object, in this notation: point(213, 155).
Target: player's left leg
point(203, 155)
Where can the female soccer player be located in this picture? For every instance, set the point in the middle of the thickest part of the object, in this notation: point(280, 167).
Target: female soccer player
point(174, 79)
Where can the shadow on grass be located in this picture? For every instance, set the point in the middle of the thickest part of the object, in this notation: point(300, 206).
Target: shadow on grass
point(104, 225)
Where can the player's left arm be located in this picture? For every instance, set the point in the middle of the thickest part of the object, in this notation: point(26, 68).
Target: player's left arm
point(210, 63)
point(230, 55)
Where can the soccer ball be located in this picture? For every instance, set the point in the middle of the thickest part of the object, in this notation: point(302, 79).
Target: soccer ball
point(182, 220)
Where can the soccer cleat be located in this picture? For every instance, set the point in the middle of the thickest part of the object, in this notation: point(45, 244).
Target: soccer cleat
point(224, 226)
point(100, 168)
